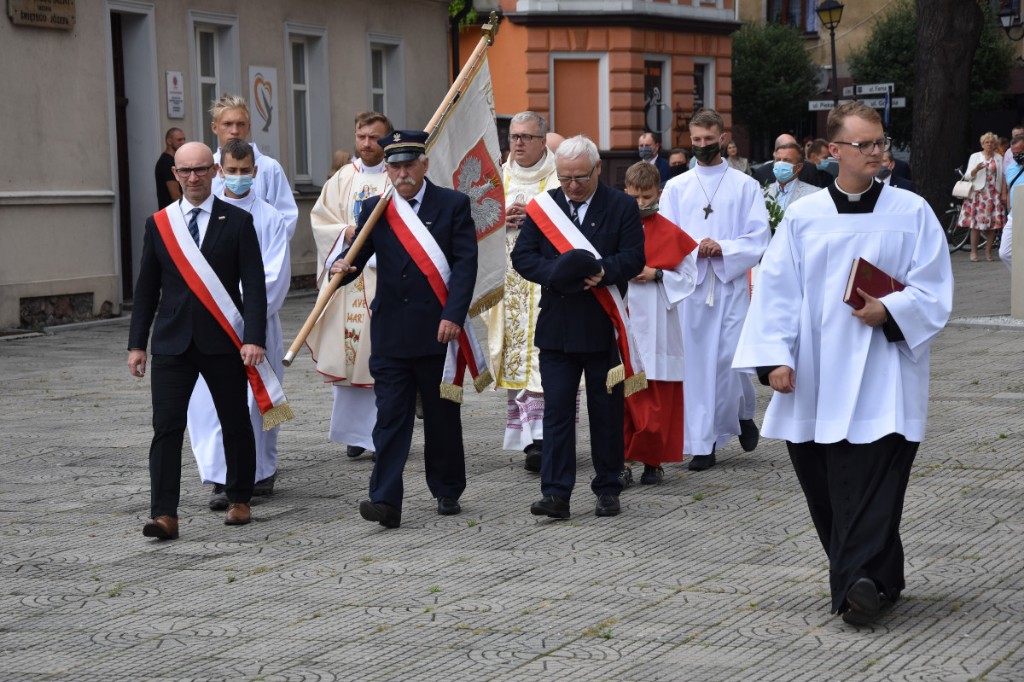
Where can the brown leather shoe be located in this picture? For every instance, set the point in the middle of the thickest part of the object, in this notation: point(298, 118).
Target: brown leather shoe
point(239, 514)
point(161, 528)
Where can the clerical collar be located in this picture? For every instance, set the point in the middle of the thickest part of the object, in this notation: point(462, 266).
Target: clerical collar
point(534, 167)
point(855, 203)
point(379, 168)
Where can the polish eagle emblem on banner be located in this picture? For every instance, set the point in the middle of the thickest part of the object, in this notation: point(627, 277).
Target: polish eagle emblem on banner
point(479, 179)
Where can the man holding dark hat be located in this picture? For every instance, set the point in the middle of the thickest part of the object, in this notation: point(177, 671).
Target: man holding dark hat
point(426, 248)
point(582, 243)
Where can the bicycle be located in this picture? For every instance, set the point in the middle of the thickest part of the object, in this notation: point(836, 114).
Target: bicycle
point(958, 238)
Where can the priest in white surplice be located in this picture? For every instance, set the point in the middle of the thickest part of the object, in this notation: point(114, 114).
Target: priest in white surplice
point(238, 171)
point(530, 170)
point(851, 386)
point(724, 211)
point(340, 341)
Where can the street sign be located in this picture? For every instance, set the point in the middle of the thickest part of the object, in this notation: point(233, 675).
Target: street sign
point(879, 103)
point(869, 89)
point(875, 103)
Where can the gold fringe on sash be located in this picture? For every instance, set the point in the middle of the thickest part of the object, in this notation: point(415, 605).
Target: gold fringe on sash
point(451, 392)
point(488, 300)
point(631, 385)
point(635, 383)
point(277, 415)
point(483, 380)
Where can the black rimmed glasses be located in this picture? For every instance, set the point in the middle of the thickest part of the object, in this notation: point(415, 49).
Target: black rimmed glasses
point(516, 137)
point(200, 172)
point(578, 179)
point(869, 148)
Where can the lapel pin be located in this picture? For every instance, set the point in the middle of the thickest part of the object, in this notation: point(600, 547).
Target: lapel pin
point(220, 217)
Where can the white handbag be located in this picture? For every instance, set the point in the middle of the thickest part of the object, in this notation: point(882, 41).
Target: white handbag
point(963, 189)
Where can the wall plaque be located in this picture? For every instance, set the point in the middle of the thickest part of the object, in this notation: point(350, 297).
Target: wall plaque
point(58, 14)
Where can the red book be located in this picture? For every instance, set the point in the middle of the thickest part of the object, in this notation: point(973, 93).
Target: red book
point(864, 275)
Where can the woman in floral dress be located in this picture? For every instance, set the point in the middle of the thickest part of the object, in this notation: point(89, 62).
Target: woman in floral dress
point(984, 210)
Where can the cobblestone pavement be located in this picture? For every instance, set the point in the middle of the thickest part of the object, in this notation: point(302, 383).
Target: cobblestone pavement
point(709, 576)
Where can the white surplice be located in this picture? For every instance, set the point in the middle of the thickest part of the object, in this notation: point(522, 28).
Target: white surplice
point(270, 184)
point(340, 341)
point(204, 429)
point(851, 382)
point(716, 396)
point(654, 318)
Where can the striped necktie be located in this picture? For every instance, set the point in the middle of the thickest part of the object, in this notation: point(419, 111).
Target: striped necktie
point(193, 225)
point(574, 215)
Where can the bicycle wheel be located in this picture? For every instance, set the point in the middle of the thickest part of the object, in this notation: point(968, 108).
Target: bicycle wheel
point(957, 237)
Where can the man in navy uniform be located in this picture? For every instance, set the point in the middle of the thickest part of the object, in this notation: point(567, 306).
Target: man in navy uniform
point(411, 328)
point(574, 333)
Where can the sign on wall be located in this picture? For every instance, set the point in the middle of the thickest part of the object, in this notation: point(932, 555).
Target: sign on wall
point(59, 14)
point(175, 95)
point(262, 96)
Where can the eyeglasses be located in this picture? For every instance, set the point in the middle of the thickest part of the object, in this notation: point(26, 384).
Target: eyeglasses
point(868, 148)
point(578, 179)
point(200, 172)
point(524, 138)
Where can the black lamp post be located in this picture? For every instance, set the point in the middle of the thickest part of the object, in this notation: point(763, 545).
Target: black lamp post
point(829, 14)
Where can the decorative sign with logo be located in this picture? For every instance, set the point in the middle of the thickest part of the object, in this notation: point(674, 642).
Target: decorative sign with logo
point(262, 98)
point(59, 14)
point(175, 95)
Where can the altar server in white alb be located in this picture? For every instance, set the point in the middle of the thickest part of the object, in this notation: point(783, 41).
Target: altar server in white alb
point(724, 211)
point(238, 172)
point(851, 386)
point(340, 341)
point(231, 122)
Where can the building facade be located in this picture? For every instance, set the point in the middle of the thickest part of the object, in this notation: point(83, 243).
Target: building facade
point(86, 106)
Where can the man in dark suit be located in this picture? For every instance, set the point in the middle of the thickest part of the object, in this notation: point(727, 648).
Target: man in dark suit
point(188, 341)
point(574, 333)
point(887, 173)
point(410, 329)
point(650, 151)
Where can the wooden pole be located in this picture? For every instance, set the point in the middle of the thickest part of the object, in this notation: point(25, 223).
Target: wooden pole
point(489, 29)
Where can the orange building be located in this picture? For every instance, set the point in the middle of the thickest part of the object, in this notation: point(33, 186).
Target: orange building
point(612, 69)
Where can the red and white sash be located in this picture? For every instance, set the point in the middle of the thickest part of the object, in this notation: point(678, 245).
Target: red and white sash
point(565, 236)
point(464, 352)
point(207, 287)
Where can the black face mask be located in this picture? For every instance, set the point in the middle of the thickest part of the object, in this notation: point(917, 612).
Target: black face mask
point(883, 173)
point(1019, 158)
point(708, 153)
point(682, 168)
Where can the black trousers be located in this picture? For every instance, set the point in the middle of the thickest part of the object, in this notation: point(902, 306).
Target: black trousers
point(855, 495)
point(560, 377)
point(173, 378)
point(396, 381)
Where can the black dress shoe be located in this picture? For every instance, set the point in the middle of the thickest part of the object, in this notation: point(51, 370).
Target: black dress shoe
point(448, 506)
point(218, 498)
point(864, 603)
point(652, 475)
point(555, 507)
point(264, 487)
point(607, 505)
point(749, 435)
point(532, 462)
point(384, 514)
point(354, 451)
point(701, 462)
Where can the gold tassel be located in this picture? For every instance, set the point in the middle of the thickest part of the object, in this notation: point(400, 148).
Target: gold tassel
point(635, 383)
point(451, 392)
point(616, 375)
point(483, 380)
point(488, 300)
point(277, 415)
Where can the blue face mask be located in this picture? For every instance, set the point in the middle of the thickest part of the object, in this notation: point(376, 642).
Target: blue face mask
point(238, 184)
point(823, 164)
point(783, 171)
point(646, 152)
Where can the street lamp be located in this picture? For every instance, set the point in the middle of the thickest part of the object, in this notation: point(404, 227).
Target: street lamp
point(1008, 12)
point(829, 14)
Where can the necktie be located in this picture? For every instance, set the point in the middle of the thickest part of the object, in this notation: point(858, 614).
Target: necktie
point(575, 214)
point(193, 225)
point(413, 203)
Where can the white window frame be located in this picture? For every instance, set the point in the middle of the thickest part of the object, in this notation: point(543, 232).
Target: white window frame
point(603, 114)
point(318, 98)
point(709, 82)
point(393, 49)
point(227, 63)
